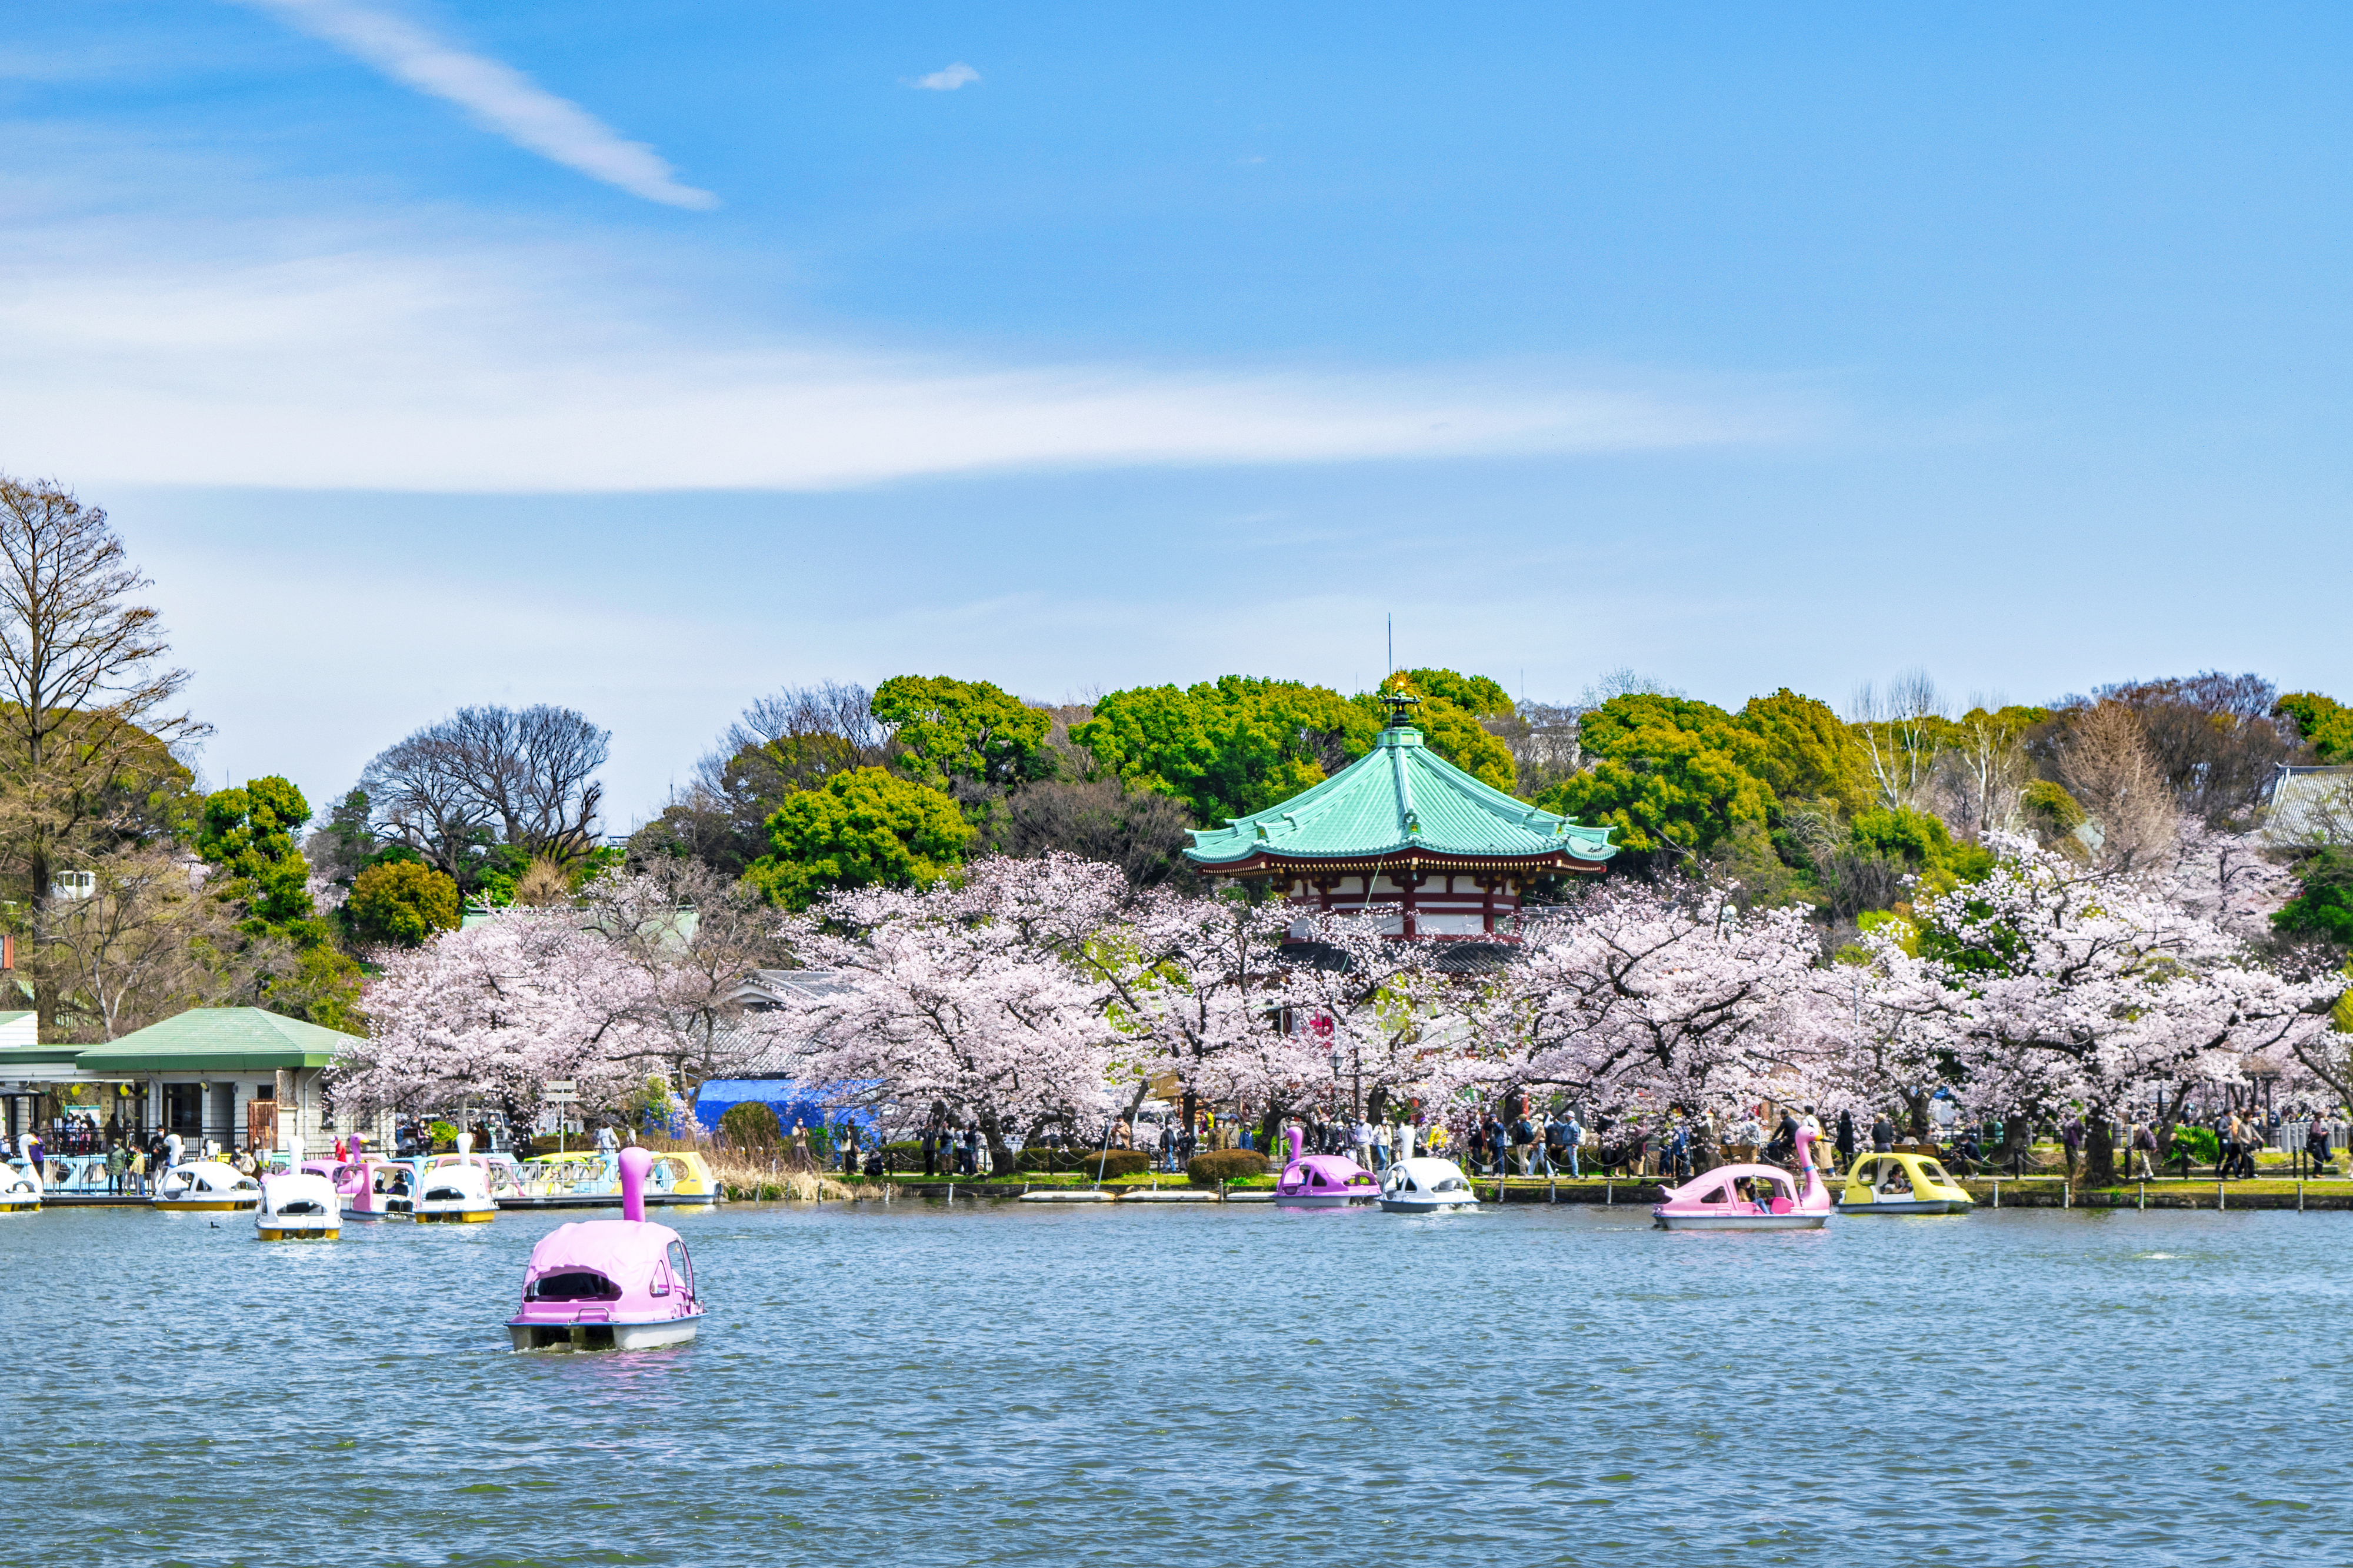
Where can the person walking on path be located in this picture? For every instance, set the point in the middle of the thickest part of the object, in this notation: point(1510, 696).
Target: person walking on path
point(2070, 1136)
point(1882, 1134)
point(1846, 1140)
point(2316, 1143)
point(2144, 1148)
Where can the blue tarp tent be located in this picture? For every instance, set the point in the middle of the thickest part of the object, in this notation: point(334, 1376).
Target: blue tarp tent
point(812, 1105)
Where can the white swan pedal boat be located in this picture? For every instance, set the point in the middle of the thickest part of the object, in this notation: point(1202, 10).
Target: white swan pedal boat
point(206, 1187)
point(455, 1194)
point(20, 1188)
point(298, 1205)
point(1426, 1184)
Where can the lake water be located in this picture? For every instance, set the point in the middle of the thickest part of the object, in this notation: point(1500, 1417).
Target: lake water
point(1188, 1386)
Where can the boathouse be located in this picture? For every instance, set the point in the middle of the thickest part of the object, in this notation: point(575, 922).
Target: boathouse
point(238, 1077)
point(1405, 834)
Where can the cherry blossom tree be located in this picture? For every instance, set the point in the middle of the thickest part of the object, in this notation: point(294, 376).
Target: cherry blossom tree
point(496, 1012)
point(2100, 985)
point(693, 935)
point(970, 994)
point(1196, 984)
point(1380, 1008)
point(1667, 996)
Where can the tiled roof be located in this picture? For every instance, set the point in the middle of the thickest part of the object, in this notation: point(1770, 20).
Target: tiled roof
point(1400, 796)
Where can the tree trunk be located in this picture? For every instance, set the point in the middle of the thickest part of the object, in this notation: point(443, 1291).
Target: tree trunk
point(1000, 1158)
point(2017, 1138)
point(2099, 1149)
point(1915, 1101)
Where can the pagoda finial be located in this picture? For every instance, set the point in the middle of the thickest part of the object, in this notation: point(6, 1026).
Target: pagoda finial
point(1401, 705)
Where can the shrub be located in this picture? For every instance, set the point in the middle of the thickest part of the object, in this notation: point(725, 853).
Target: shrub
point(2203, 1145)
point(1113, 1163)
point(751, 1125)
point(1224, 1165)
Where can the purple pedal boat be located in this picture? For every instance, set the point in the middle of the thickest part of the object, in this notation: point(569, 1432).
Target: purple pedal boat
point(609, 1284)
point(1323, 1181)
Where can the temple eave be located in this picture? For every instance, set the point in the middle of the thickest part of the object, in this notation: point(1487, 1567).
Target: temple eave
point(1267, 862)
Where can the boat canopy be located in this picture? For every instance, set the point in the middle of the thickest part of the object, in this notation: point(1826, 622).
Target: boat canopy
point(627, 1252)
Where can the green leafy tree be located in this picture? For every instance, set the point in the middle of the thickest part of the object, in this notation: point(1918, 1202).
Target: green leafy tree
point(2049, 809)
point(2325, 907)
point(1920, 844)
point(1228, 747)
point(249, 833)
point(1674, 776)
point(862, 828)
point(1809, 752)
point(1474, 694)
point(401, 901)
point(969, 730)
point(2326, 724)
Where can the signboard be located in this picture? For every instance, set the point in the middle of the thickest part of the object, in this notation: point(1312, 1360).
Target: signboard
point(558, 1093)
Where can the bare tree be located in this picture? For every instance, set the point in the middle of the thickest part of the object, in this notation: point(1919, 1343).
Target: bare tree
point(1625, 681)
point(144, 941)
point(1543, 737)
point(1901, 726)
point(2212, 736)
point(524, 778)
point(697, 935)
point(86, 730)
point(807, 732)
point(1986, 765)
point(793, 739)
point(2105, 765)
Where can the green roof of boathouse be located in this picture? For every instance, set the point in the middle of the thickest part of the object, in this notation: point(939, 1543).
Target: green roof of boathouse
point(215, 1039)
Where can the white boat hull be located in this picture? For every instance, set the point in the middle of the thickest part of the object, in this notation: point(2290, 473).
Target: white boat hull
point(586, 1336)
point(455, 1215)
point(1814, 1221)
point(1327, 1200)
point(1426, 1205)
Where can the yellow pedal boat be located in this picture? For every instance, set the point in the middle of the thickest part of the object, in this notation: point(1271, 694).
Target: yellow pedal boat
point(1901, 1183)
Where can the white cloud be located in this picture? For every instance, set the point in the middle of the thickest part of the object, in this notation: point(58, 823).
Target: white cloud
point(946, 79)
point(489, 371)
point(499, 97)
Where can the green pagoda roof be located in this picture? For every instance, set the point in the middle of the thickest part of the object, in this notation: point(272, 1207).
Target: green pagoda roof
point(215, 1039)
point(1401, 800)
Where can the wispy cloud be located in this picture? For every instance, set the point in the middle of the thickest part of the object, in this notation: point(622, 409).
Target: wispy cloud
point(488, 370)
point(947, 78)
point(501, 98)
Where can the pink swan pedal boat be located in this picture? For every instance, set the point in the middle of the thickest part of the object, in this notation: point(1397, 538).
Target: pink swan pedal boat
point(1774, 1200)
point(620, 1284)
point(1323, 1181)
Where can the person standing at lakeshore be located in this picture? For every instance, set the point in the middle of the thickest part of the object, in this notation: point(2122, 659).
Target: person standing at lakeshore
point(1846, 1138)
point(1882, 1134)
point(2071, 1135)
point(2144, 1148)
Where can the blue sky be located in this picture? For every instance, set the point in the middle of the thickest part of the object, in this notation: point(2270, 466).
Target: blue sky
point(644, 358)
